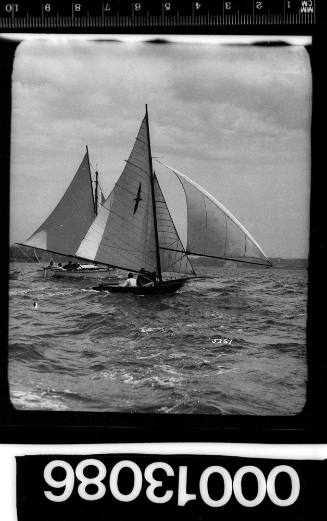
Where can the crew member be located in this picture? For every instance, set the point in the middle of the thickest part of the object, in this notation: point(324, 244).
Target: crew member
point(130, 282)
point(144, 278)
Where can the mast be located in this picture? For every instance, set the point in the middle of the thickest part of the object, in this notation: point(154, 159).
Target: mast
point(88, 162)
point(96, 192)
point(153, 198)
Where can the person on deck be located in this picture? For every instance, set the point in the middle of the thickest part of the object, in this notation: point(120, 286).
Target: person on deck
point(144, 278)
point(130, 282)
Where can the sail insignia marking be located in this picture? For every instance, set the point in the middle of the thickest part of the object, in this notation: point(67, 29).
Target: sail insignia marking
point(137, 199)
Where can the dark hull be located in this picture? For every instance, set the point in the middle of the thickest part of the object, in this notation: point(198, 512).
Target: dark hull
point(169, 286)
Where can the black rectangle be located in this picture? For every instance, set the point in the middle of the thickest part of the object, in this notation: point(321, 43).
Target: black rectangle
point(193, 488)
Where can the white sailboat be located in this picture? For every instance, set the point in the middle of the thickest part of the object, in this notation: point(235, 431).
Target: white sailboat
point(134, 229)
point(63, 230)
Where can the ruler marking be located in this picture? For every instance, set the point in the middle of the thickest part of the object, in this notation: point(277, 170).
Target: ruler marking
point(166, 19)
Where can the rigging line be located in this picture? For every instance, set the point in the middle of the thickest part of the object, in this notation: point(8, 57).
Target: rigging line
point(100, 231)
point(101, 189)
point(179, 259)
point(112, 265)
point(174, 227)
point(94, 169)
point(154, 211)
point(168, 245)
point(83, 258)
point(72, 255)
point(223, 258)
point(126, 189)
point(140, 140)
point(106, 241)
point(90, 176)
point(23, 252)
point(136, 166)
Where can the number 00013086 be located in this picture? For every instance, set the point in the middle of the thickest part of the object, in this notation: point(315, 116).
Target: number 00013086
point(102, 486)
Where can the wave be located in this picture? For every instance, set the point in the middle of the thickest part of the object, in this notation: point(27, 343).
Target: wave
point(96, 351)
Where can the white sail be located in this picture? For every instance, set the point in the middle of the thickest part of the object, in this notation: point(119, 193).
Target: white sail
point(123, 233)
point(212, 230)
point(66, 226)
point(172, 254)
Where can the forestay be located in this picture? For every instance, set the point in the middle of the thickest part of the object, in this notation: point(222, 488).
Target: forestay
point(123, 233)
point(66, 226)
point(212, 230)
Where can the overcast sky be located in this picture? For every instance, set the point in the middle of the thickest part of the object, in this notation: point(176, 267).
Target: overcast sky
point(236, 119)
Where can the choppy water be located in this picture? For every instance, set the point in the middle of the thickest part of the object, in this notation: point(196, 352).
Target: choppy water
point(88, 351)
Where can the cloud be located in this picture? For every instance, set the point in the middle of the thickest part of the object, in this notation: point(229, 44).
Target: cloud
point(241, 111)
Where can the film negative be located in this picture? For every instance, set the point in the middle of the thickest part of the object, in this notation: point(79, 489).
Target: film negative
point(165, 259)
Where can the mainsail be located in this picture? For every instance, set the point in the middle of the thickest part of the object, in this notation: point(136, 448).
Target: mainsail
point(212, 230)
point(123, 233)
point(64, 229)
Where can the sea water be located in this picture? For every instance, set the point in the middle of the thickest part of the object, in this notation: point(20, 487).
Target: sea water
point(234, 343)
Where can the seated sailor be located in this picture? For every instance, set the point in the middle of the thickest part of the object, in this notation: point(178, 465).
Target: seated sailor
point(144, 278)
point(130, 281)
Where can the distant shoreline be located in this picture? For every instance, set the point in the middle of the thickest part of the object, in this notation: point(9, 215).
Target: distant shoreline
point(24, 254)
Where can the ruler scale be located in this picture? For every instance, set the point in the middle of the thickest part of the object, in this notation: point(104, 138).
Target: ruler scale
point(95, 14)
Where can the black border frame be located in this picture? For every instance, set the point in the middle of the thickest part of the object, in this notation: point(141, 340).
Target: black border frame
point(17, 426)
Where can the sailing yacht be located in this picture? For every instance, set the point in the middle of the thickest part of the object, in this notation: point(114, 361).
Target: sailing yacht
point(63, 230)
point(134, 229)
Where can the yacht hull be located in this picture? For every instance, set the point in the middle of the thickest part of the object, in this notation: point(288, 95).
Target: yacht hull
point(169, 286)
point(78, 274)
